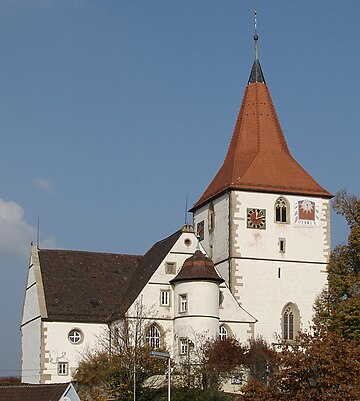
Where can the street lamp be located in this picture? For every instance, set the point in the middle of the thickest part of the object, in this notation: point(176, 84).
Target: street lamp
point(163, 355)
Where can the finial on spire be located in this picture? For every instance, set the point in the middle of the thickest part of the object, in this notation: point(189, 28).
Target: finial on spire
point(256, 75)
point(256, 37)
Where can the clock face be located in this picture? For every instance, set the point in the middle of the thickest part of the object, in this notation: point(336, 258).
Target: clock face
point(256, 218)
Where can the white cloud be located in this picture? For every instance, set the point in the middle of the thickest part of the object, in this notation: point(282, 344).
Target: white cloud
point(42, 184)
point(15, 233)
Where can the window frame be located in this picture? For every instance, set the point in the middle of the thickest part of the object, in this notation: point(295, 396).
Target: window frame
point(223, 332)
point(163, 296)
point(183, 303)
point(282, 245)
point(282, 211)
point(183, 346)
point(63, 368)
point(75, 336)
point(153, 336)
point(290, 322)
point(211, 218)
point(170, 266)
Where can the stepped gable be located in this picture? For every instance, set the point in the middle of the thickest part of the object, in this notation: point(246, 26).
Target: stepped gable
point(197, 267)
point(84, 286)
point(258, 158)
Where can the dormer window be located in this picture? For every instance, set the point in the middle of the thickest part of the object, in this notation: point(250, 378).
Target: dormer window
point(281, 211)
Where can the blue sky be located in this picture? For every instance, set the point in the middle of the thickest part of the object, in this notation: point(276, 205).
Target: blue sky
point(111, 112)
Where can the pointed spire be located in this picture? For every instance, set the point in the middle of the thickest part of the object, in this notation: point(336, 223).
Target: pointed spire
point(258, 158)
point(256, 74)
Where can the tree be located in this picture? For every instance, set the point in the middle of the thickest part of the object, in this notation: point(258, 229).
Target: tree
point(338, 307)
point(108, 369)
point(260, 359)
point(322, 366)
point(220, 358)
point(208, 363)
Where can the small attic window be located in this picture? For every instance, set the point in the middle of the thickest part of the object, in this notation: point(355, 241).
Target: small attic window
point(187, 242)
point(170, 267)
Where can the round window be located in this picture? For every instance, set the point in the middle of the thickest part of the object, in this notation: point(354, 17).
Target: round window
point(187, 242)
point(75, 336)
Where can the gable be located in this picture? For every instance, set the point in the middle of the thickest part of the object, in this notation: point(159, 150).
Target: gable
point(147, 267)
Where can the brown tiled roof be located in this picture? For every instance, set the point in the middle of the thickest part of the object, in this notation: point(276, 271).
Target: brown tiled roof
point(36, 392)
point(198, 267)
point(258, 158)
point(144, 271)
point(84, 286)
point(96, 287)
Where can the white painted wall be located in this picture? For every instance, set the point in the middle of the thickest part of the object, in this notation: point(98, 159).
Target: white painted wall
point(255, 256)
point(202, 319)
point(30, 331)
point(202, 316)
point(30, 359)
point(216, 242)
point(302, 243)
point(58, 348)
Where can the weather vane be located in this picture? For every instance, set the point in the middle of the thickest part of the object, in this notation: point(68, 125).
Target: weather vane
point(256, 37)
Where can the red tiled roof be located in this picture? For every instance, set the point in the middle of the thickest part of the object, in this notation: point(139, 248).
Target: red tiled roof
point(36, 392)
point(258, 158)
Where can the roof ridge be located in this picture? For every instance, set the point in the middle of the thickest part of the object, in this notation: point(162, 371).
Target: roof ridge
point(90, 252)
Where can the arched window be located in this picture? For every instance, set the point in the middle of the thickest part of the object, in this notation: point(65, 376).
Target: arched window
point(290, 322)
point(223, 333)
point(281, 211)
point(153, 337)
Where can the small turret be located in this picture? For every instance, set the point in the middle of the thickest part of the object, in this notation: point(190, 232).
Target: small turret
point(196, 300)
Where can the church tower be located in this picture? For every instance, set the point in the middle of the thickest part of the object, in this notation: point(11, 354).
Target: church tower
point(264, 221)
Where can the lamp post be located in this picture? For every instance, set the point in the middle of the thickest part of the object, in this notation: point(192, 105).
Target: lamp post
point(163, 355)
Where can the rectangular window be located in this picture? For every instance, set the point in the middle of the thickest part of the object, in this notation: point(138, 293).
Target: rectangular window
point(184, 346)
point(200, 230)
point(282, 245)
point(279, 272)
point(62, 368)
point(165, 298)
point(170, 267)
point(183, 303)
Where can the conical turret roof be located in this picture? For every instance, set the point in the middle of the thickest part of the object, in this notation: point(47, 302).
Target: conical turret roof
point(258, 158)
point(198, 267)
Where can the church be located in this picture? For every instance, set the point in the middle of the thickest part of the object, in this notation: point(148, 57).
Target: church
point(251, 264)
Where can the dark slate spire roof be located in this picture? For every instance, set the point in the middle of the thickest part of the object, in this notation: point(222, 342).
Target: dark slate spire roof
point(256, 74)
point(198, 268)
